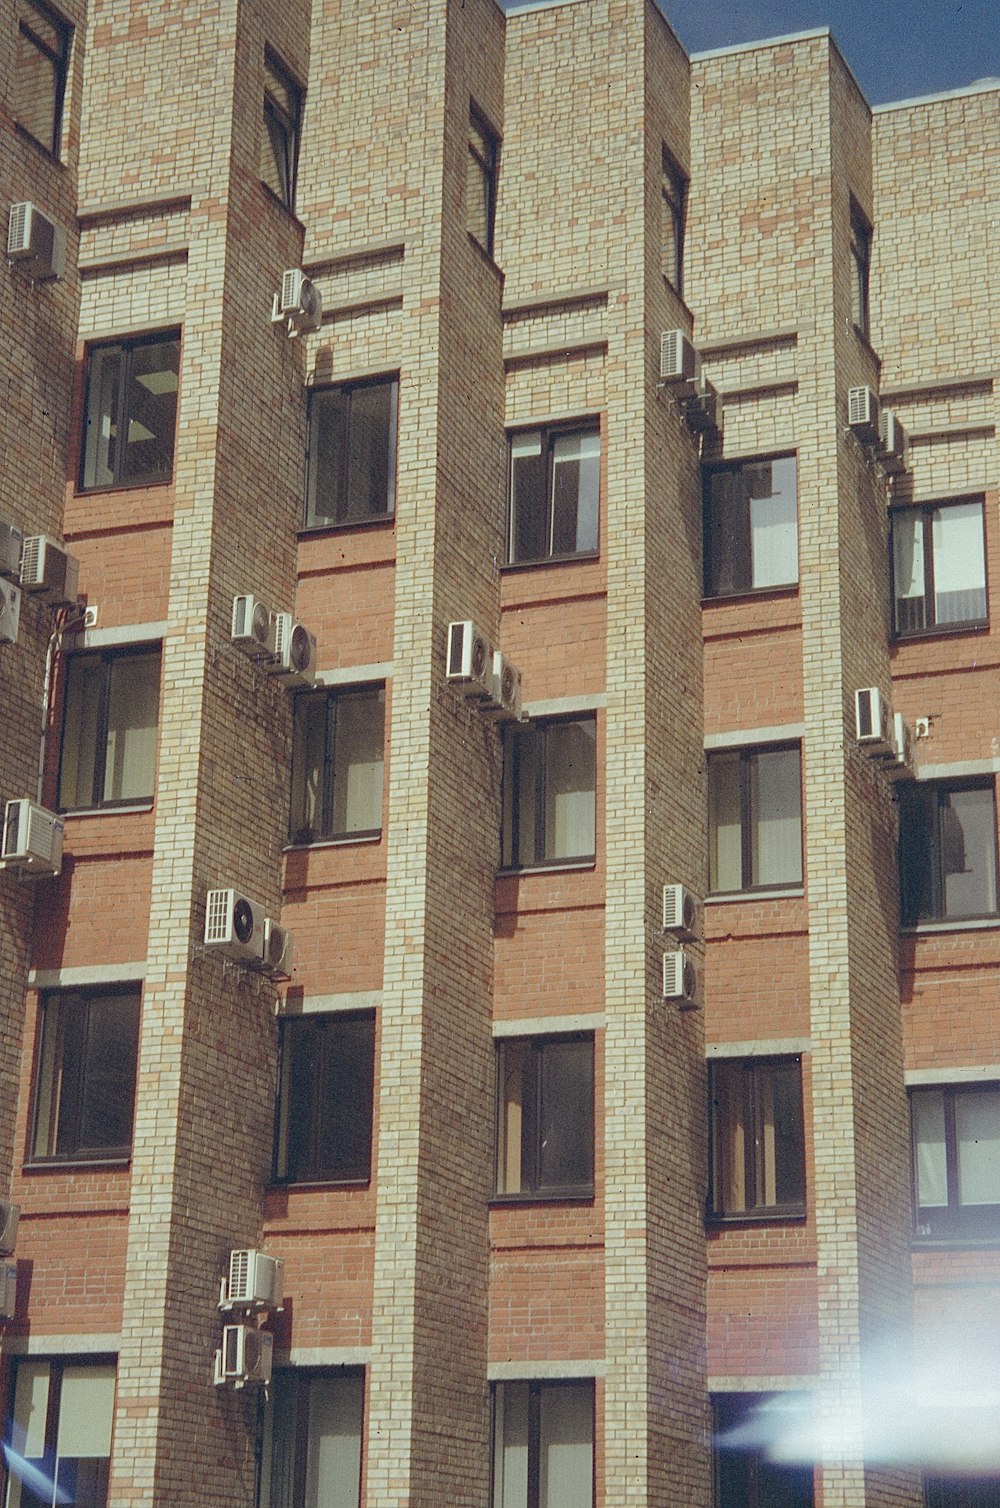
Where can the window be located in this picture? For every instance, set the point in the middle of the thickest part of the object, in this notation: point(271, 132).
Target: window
point(751, 527)
point(938, 567)
point(554, 494)
point(755, 818)
point(58, 1446)
point(956, 1160)
point(961, 1492)
point(279, 147)
point(352, 453)
point(312, 1440)
point(481, 182)
point(40, 72)
point(758, 1159)
point(543, 1445)
point(324, 1127)
point(337, 757)
point(947, 852)
point(85, 1079)
point(109, 729)
point(673, 208)
point(861, 257)
point(549, 775)
point(753, 1434)
point(131, 412)
point(545, 1116)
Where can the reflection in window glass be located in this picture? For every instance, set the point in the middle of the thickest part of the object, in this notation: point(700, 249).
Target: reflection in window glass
point(755, 818)
point(751, 526)
point(131, 413)
point(337, 764)
point(938, 567)
point(555, 493)
point(549, 775)
point(279, 150)
point(947, 852)
point(40, 65)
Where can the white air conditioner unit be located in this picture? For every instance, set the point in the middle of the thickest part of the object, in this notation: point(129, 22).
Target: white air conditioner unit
point(873, 721)
point(679, 361)
point(505, 700)
point(35, 243)
point(32, 838)
point(10, 612)
point(10, 1214)
point(680, 911)
point(277, 960)
point(863, 412)
point(703, 410)
point(680, 979)
point(297, 304)
point(900, 766)
point(245, 1356)
point(293, 652)
point(254, 1281)
point(11, 546)
point(234, 926)
point(470, 659)
point(894, 444)
point(8, 1290)
point(251, 626)
point(48, 570)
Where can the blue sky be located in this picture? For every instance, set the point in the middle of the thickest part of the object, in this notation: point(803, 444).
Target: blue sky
point(896, 48)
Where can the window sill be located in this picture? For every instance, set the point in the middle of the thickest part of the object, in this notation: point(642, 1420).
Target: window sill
point(147, 486)
point(127, 809)
point(550, 560)
point(958, 1242)
point(536, 1197)
point(752, 593)
point(555, 866)
point(965, 924)
point(75, 1164)
point(347, 841)
point(285, 1185)
point(24, 134)
point(755, 1217)
point(943, 631)
point(725, 897)
point(375, 521)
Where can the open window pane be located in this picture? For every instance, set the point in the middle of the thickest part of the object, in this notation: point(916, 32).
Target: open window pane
point(279, 148)
point(481, 182)
point(40, 66)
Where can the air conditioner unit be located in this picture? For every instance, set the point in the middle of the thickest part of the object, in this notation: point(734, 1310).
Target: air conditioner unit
point(894, 444)
point(277, 960)
point(680, 979)
point(48, 570)
point(470, 659)
point(679, 361)
point(506, 697)
point(10, 1214)
point(10, 612)
point(245, 1356)
point(703, 410)
point(900, 766)
point(680, 911)
point(293, 652)
point(11, 545)
point(234, 926)
point(35, 243)
point(32, 838)
point(862, 413)
point(8, 1290)
point(254, 1280)
point(251, 626)
point(873, 721)
point(298, 303)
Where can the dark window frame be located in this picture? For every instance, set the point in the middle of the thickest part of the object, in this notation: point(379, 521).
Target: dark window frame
point(536, 1387)
point(549, 435)
point(744, 1476)
point(126, 346)
point(298, 1382)
point(59, 61)
point(929, 843)
point(748, 754)
point(926, 513)
point(313, 524)
point(282, 129)
point(326, 833)
point(67, 1085)
point(955, 1221)
point(484, 161)
point(514, 734)
point(107, 659)
point(754, 1154)
point(321, 1031)
point(711, 566)
point(674, 184)
point(58, 1365)
point(861, 263)
point(534, 1190)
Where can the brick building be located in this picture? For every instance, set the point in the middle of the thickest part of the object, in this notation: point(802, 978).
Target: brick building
point(552, 1185)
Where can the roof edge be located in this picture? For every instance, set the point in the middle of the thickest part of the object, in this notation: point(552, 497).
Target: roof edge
point(981, 86)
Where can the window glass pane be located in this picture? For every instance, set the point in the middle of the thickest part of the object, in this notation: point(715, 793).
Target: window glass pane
point(727, 533)
point(371, 459)
point(333, 1477)
point(151, 411)
point(527, 744)
point(908, 571)
point(783, 1087)
point(31, 1402)
point(566, 1446)
point(566, 1137)
point(84, 675)
point(478, 201)
point(357, 762)
point(308, 764)
point(773, 521)
point(344, 1134)
point(133, 709)
point(528, 523)
point(927, 1110)
point(968, 852)
point(328, 411)
point(728, 1138)
point(510, 1445)
point(776, 817)
point(511, 1060)
point(959, 563)
point(569, 789)
point(37, 84)
point(977, 1133)
point(86, 1411)
point(725, 829)
point(100, 463)
point(108, 1088)
point(576, 475)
